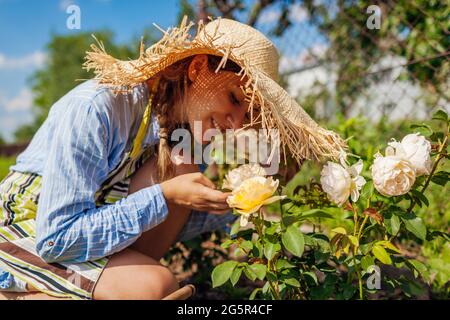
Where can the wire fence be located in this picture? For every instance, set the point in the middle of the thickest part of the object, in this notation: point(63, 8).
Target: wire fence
point(396, 70)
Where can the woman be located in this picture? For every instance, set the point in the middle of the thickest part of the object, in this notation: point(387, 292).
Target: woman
point(96, 199)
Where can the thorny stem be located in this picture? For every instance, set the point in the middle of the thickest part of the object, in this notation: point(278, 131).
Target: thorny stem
point(362, 226)
point(259, 229)
point(357, 233)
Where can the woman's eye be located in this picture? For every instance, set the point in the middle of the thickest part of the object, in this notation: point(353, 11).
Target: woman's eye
point(234, 100)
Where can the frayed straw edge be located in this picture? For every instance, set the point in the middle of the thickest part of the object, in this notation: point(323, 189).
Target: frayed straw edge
point(302, 141)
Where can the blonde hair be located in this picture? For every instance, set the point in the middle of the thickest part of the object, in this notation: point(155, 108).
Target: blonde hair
point(172, 88)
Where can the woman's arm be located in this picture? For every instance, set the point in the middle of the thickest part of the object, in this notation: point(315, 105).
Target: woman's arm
point(69, 226)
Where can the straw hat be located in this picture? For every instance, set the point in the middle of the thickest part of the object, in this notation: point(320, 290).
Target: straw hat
point(258, 58)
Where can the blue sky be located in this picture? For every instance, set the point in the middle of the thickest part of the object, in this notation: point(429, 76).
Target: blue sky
point(26, 27)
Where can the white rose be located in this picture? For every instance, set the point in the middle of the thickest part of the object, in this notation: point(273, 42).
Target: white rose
point(341, 181)
point(235, 177)
point(416, 149)
point(392, 175)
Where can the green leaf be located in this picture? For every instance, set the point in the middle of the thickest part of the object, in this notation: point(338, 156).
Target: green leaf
point(315, 213)
point(271, 276)
point(420, 196)
point(367, 190)
point(222, 273)
point(317, 243)
point(392, 223)
point(380, 253)
point(440, 115)
point(348, 291)
point(257, 249)
point(387, 245)
point(266, 287)
point(311, 275)
point(272, 229)
point(236, 275)
point(292, 282)
point(366, 247)
point(250, 273)
point(437, 136)
point(339, 230)
point(423, 129)
point(419, 267)
point(293, 240)
point(235, 227)
point(227, 243)
point(434, 234)
point(415, 225)
point(259, 270)
point(353, 240)
point(270, 249)
point(366, 262)
point(441, 178)
point(254, 293)
point(283, 264)
point(247, 245)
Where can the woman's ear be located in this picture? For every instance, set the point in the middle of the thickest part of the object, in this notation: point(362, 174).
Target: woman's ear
point(199, 62)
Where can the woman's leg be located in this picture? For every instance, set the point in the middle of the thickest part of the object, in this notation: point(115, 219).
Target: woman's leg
point(132, 275)
point(129, 275)
point(157, 241)
point(135, 272)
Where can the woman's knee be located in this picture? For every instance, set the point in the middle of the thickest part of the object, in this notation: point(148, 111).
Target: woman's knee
point(131, 275)
point(153, 284)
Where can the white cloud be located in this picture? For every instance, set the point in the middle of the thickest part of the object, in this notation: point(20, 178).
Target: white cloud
point(304, 58)
point(269, 16)
point(297, 13)
point(9, 123)
point(22, 102)
point(33, 60)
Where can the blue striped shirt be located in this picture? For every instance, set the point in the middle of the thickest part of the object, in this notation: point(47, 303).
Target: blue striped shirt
point(83, 138)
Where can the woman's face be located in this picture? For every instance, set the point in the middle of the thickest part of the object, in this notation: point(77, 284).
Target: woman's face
point(214, 100)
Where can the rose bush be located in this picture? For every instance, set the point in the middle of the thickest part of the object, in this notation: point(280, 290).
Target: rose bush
point(293, 254)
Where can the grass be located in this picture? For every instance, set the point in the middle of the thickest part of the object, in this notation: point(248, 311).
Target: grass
point(5, 163)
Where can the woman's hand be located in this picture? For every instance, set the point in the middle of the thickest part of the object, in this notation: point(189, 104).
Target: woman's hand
point(195, 191)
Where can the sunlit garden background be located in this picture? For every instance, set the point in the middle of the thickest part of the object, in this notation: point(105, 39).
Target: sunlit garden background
point(370, 75)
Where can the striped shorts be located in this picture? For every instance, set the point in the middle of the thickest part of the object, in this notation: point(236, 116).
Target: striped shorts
point(19, 196)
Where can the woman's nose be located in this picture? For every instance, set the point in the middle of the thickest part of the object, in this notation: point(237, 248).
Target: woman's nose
point(235, 120)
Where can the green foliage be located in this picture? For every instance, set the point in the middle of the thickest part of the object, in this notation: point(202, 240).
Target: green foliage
point(5, 163)
point(185, 9)
point(415, 33)
point(302, 253)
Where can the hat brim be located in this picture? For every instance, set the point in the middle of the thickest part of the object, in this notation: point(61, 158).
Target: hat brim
point(304, 138)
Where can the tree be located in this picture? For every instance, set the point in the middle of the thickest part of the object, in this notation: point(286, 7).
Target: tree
point(249, 13)
point(415, 31)
point(63, 70)
point(186, 9)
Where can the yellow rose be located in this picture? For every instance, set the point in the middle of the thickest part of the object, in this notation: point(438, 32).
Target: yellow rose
point(252, 194)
